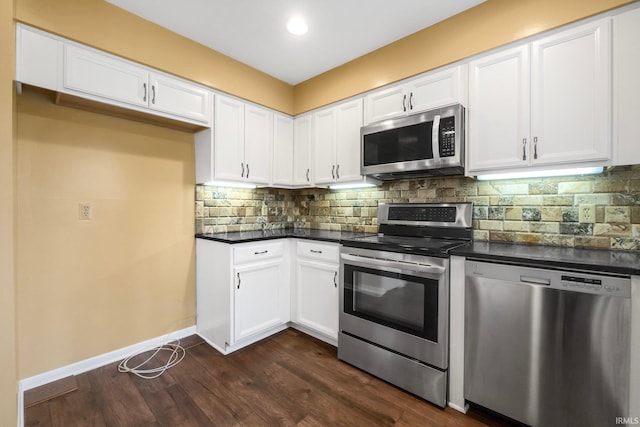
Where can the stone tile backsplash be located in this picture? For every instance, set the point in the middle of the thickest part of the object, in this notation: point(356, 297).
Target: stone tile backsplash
point(535, 211)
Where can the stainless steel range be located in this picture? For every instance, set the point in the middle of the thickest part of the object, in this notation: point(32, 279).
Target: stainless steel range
point(394, 295)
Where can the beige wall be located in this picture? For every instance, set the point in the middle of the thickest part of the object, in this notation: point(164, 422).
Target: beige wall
point(99, 24)
point(489, 25)
point(89, 287)
point(8, 378)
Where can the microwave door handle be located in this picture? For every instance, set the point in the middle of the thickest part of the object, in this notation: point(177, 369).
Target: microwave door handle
point(435, 138)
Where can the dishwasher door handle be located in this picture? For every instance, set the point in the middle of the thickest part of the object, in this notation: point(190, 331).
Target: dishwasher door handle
point(535, 280)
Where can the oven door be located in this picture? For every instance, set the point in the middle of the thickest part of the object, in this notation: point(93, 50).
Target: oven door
point(396, 301)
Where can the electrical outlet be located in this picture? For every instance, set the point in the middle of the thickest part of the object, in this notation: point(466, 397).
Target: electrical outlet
point(85, 211)
point(587, 214)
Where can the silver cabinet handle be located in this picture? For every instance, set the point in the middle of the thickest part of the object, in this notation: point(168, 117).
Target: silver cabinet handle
point(404, 103)
point(535, 147)
point(144, 96)
point(242, 166)
point(411, 101)
point(153, 94)
point(313, 251)
point(335, 276)
point(261, 252)
point(307, 174)
point(247, 170)
point(338, 172)
point(524, 148)
point(238, 280)
point(333, 171)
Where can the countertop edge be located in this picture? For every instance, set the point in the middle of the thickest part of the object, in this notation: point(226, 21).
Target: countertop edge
point(487, 254)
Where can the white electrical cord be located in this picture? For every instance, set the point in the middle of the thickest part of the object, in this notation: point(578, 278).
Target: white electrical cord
point(176, 356)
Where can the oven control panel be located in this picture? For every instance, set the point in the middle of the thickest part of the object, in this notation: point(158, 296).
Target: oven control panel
point(417, 213)
point(425, 215)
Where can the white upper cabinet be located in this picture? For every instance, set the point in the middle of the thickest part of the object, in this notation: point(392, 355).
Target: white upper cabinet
point(324, 146)
point(543, 103)
point(57, 64)
point(105, 76)
point(38, 58)
point(336, 143)
point(432, 90)
point(302, 151)
point(258, 140)
point(348, 124)
point(228, 139)
point(282, 173)
point(498, 114)
point(571, 90)
point(180, 98)
point(242, 142)
point(626, 88)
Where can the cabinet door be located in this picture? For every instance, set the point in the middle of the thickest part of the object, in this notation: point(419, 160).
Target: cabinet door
point(282, 150)
point(324, 146)
point(626, 88)
point(104, 76)
point(258, 298)
point(348, 124)
point(229, 139)
point(177, 97)
point(385, 104)
point(499, 110)
point(258, 139)
point(317, 305)
point(435, 90)
point(302, 151)
point(570, 118)
point(37, 59)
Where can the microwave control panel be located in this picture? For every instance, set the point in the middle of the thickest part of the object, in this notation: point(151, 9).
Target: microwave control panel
point(447, 137)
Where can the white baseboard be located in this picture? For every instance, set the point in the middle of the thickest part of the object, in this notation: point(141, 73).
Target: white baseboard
point(92, 363)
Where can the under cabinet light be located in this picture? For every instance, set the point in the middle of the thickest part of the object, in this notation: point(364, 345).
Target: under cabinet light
point(230, 184)
point(366, 182)
point(541, 174)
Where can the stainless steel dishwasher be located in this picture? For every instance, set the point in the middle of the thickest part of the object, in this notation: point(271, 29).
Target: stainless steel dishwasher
point(547, 347)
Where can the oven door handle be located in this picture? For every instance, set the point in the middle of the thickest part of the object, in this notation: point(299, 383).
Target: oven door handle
point(399, 265)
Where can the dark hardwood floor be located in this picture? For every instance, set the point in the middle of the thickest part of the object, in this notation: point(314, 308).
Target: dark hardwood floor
point(289, 379)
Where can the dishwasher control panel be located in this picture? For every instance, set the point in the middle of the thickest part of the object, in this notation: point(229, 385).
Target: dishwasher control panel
point(564, 280)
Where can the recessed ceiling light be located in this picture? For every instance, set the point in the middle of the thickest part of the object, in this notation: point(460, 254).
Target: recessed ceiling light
point(297, 26)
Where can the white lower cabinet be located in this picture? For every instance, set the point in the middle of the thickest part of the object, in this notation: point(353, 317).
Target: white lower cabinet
point(243, 292)
point(248, 291)
point(316, 302)
point(258, 297)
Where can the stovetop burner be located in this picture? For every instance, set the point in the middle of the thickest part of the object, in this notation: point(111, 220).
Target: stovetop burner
point(420, 228)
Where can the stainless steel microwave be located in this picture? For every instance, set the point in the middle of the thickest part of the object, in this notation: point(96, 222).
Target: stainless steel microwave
point(430, 143)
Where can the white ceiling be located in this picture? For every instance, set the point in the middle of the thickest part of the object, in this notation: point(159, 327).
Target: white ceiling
point(254, 31)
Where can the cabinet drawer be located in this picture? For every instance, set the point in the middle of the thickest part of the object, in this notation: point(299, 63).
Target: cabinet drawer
point(257, 252)
point(318, 251)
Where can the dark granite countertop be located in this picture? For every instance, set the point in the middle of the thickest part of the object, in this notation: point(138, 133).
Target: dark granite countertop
point(620, 262)
point(305, 233)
